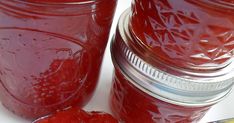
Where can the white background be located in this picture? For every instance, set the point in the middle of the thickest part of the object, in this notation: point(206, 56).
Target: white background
point(99, 102)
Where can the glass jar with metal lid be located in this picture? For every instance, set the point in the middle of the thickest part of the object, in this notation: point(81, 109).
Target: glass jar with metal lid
point(158, 92)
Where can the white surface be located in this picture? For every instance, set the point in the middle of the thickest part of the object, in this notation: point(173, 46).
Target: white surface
point(223, 110)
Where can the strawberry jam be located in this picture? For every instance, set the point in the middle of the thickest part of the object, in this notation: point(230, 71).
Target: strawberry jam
point(146, 91)
point(191, 34)
point(77, 115)
point(134, 106)
point(51, 53)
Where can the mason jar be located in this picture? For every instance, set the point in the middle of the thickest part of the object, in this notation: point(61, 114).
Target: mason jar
point(51, 52)
point(146, 91)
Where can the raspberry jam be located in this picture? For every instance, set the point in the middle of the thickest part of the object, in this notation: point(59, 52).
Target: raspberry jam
point(159, 93)
point(134, 106)
point(192, 34)
point(77, 115)
point(51, 53)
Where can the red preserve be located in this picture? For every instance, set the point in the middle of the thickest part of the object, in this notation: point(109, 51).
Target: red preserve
point(192, 34)
point(160, 93)
point(51, 52)
point(77, 115)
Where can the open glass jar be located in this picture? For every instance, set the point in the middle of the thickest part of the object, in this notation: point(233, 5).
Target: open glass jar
point(153, 91)
point(51, 52)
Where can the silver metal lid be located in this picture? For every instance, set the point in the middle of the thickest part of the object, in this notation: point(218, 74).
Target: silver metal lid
point(169, 84)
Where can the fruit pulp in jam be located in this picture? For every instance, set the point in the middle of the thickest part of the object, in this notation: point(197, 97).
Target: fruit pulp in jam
point(50, 55)
point(77, 115)
point(132, 105)
point(185, 33)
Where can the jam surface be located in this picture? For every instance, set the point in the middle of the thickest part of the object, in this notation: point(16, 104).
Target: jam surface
point(132, 105)
point(185, 33)
point(50, 56)
point(77, 115)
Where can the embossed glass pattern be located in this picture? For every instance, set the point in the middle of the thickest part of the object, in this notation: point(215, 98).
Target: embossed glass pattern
point(185, 33)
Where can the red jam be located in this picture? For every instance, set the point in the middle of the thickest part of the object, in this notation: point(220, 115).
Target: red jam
point(132, 105)
point(193, 34)
point(77, 115)
point(149, 91)
point(50, 54)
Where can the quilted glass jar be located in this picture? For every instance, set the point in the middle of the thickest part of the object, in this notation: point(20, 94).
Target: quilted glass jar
point(157, 92)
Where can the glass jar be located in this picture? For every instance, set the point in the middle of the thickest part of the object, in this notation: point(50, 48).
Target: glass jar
point(51, 52)
point(158, 92)
point(190, 34)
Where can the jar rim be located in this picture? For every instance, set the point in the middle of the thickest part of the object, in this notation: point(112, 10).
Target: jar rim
point(56, 9)
point(81, 2)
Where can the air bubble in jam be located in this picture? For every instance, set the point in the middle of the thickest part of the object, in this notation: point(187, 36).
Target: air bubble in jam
point(183, 33)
